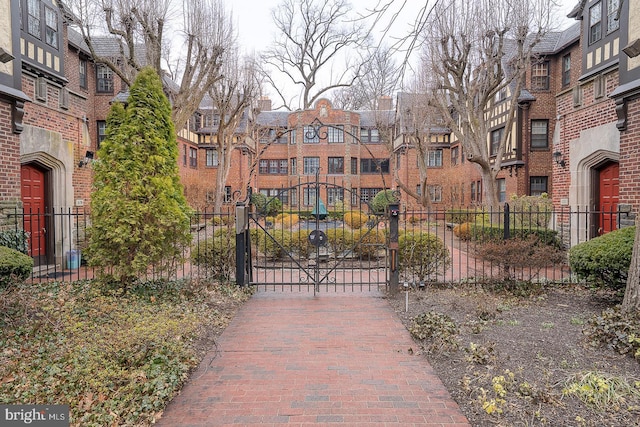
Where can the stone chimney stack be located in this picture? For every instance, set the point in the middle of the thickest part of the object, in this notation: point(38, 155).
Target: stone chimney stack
point(385, 103)
point(264, 104)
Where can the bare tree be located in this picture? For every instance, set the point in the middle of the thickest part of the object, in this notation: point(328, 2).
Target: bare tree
point(313, 35)
point(631, 301)
point(231, 98)
point(136, 29)
point(473, 51)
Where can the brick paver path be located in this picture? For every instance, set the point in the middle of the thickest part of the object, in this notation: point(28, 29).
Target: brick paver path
point(295, 359)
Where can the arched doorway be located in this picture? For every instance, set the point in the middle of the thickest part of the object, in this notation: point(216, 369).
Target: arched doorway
point(608, 182)
point(34, 199)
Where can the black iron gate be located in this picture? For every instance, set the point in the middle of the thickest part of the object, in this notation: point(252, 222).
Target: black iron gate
point(325, 248)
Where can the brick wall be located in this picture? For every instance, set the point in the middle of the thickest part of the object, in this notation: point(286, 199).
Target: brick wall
point(630, 164)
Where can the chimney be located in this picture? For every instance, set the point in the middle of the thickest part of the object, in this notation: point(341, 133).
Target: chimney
point(385, 103)
point(264, 104)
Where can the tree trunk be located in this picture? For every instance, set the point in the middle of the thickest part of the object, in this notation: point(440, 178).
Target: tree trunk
point(631, 300)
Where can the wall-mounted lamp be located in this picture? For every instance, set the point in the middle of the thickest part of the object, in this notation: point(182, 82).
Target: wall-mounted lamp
point(559, 159)
point(5, 56)
point(632, 49)
point(87, 158)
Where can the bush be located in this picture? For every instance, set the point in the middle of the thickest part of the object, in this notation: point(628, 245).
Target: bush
point(217, 255)
point(15, 239)
point(382, 200)
point(355, 219)
point(463, 231)
point(287, 220)
point(616, 329)
point(422, 254)
point(368, 242)
point(605, 260)
point(530, 211)
point(439, 330)
point(300, 243)
point(485, 233)
point(275, 245)
point(264, 206)
point(460, 216)
point(14, 267)
point(339, 240)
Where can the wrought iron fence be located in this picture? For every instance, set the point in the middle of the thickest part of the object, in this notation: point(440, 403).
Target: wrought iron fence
point(482, 245)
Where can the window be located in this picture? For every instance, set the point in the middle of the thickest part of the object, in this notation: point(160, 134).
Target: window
point(273, 167)
point(476, 191)
point(354, 197)
point(455, 152)
point(496, 137)
point(227, 194)
point(502, 190)
point(473, 191)
point(101, 125)
point(354, 166)
point(435, 158)
point(280, 194)
point(435, 193)
point(293, 137)
point(566, 70)
point(367, 194)
point(539, 134)
point(83, 73)
point(193, 157)
point(538, 185)
point(294, 166)
point(368, 135)
point(374, 166)
point(540, 76)
point(310, 135)
point(184, 154)
point(335, 133)
point(595, 23)
point(104, 79)
point(51, 28)
point(334, 195)
point(419, 189)
point(212, 157)
point(336, 165)
point(612, 13)
point(33, 18)
point(309, 196)
point(311, 165)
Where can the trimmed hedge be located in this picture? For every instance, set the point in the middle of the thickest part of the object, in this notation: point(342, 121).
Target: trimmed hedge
point(14, 267)
point(422, 254)
point(460, 216)
point(485, 233)
point(355, 219)
point(604, 260)
point(217, 255)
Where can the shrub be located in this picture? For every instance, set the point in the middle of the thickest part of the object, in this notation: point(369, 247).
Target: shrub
point(605, 260)
point(463, 231)
point(287, 220)
point(264, 206)
point(14, 266)
point(274, 245)
point(422, 254)
point(355, 219)
point(485, 232)
point(530, 211)
point(339, 240)
point(300, 243)
point(437, 328)
point(460, 216)
point(616, 329)
point(15, 239)
point(217, 255)
point(382, 200)
point(368, 242)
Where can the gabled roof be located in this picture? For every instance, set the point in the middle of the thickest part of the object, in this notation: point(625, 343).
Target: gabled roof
point(273, 118)
point(76, 40)
point(373, 118)
point(555, 41)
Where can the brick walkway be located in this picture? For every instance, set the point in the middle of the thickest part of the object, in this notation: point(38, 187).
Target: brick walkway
point(296, 359)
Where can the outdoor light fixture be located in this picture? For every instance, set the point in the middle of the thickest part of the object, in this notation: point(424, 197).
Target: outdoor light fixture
point(5, 56)
point(632, 49)
point(87, 158)
point(559, 159)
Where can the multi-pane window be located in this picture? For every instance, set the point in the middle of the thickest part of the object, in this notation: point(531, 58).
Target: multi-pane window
point(293, 137)
point(273, 167)
point(367, 194)
point(310, 135)
point(280, 194)
point(374, 166)
point(104, 79)
point(335, 133)
point(496, 137)
point(540, 76)
point(336, 165)
point(538, 185)
point(311, 165)
point(33, 18)
point(193, 157)
point(369, 135)
point(595, 22)
point(309, 196)
point(82, 70)
point(612, 13)
point(539, 133)
point(334, 195)
point(294, 166)
point(476, 191)
point(354, 166)
point(212, 157)
point(566, 70)
point(435, 193)
point(502, 190)
point(184, 154)
point(434, 159)
point(51, 27)
point(419, 189)
point(455, 153)
point(101, 125)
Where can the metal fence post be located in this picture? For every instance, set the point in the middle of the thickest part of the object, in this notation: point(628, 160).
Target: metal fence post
point(507, 224)
point(394, 278)
point(242, 227)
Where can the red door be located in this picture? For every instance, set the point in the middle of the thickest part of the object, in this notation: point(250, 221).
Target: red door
point(608, 179)
point(33, 200)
